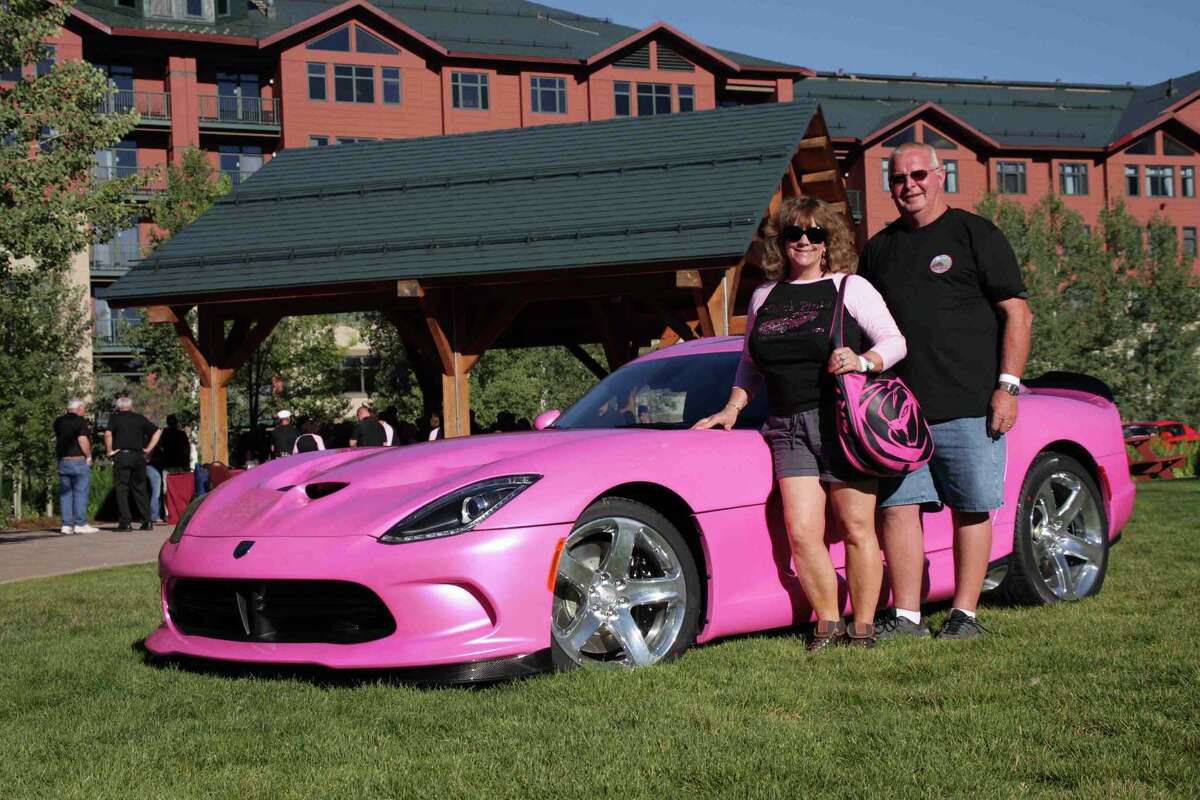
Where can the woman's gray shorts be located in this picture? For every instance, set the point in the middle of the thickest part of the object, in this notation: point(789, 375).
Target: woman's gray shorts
point(806, 445)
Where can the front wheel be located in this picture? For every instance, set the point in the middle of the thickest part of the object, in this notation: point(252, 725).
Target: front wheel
point(1060, 544)
point(627, 593)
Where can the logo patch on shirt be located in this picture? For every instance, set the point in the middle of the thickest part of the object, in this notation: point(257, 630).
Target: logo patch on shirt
point(941, 264)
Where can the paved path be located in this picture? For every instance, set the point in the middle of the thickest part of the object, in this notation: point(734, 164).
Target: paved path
point(35, 554)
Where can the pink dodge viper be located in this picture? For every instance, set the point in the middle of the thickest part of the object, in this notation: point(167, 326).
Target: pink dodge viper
point(614, 536)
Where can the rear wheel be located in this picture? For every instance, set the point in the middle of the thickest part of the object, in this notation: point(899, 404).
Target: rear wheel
point(627, 593)
point(1060, 544)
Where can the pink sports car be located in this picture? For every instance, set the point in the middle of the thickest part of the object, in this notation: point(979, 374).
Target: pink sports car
point(613, 536)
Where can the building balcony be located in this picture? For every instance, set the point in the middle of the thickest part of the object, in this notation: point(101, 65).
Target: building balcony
point(111, 335)
point(151, 181)
point(113, 259)
point(153, 107)
point(245, 114)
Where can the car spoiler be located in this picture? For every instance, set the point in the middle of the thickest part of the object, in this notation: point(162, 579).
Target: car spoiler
point(1070, 382)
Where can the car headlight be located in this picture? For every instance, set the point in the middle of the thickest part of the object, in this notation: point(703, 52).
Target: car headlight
point(185, 518)
point(459, 511)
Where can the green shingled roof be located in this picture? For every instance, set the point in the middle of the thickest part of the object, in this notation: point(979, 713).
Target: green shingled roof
point(671, 188)
point(484, 27)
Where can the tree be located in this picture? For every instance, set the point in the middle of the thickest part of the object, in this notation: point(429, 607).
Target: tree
point(192, 187)
point(50, 209)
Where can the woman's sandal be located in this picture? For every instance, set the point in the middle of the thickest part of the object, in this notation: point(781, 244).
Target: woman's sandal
point(860, 634)
point(827, 634)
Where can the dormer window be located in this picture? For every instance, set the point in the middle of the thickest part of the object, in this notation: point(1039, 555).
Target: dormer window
point(337, 42)
point(194, 8)
point(223, 9)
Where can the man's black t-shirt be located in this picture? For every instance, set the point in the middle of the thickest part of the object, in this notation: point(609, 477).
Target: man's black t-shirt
point(130, 430)
point(174, 450)
point(283, 438)
point(369, 433)
point(67, 430)
point(941, 283)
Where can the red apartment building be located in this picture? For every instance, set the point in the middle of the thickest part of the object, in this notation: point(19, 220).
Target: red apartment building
point(241, 79)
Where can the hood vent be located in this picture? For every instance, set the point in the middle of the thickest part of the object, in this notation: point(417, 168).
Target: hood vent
point(315, 491)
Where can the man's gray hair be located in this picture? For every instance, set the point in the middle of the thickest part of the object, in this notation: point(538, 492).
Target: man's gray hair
point(909, 147)
point(76, 404)
point(124, 403)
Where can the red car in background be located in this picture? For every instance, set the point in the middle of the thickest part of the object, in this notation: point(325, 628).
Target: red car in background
point(1169, 430)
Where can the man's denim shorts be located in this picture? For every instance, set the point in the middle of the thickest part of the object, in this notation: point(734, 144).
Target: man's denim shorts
point(965, 473)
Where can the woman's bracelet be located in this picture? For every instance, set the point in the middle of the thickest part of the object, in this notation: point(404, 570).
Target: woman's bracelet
point(864, 364)
point(734, 406)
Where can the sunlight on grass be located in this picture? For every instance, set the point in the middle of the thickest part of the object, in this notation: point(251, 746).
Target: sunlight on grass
point(1095, 699)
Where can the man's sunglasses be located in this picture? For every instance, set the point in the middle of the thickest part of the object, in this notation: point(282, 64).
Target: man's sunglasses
point(794, 233)
point(918, 175)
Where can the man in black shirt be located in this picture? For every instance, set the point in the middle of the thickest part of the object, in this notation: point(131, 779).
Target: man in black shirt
point(129, 439)
point(283, 437)
point(368, 432)
point(952, 282)
point(174, 449)
point(73, 448)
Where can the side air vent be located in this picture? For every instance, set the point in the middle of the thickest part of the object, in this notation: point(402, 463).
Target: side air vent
point(286, 488)
point(635, 59)
point(668, 59)
point(315, 491)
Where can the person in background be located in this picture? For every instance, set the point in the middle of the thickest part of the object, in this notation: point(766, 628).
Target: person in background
point(310, 438)
point(129, 440)
point(368, 432)
point(283, 437)
point(73, 447)
point(175, 447)
point(435, 427)
point(155, 477)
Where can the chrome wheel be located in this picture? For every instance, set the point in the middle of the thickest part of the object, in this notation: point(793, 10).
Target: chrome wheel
point(1067, 535)
point(621, 594)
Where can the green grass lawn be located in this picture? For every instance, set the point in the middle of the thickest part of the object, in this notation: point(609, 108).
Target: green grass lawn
point(1096, 699)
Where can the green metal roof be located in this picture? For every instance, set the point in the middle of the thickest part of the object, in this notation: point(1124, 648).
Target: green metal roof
point(484, 27)
point(673, 188)
point(1012, 114)
point(1151, 101)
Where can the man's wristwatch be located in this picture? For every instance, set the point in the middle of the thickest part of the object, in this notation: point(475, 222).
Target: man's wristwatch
point(1012, 388)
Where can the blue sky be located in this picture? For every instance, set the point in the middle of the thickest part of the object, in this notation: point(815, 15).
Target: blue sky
point(1083, 42)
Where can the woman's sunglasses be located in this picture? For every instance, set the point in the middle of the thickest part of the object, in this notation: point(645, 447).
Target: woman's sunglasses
point(794, 233)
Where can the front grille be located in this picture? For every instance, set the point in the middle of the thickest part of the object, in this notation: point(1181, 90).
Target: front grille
point(333, 612)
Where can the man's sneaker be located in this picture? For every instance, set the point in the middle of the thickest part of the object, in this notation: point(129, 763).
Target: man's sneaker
point(67, 530)
point(961, 626)
point(86, 529)
point(890, 626)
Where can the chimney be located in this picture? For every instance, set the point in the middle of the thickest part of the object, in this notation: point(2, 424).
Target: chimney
point(267, 7)
point(1170, 87)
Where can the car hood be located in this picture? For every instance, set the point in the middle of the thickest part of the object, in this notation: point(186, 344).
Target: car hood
point(355, 492)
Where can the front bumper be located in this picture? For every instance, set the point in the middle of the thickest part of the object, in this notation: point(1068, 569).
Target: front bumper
point(480, 596)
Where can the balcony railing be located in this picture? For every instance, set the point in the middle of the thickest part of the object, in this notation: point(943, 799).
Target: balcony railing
point(242, 112)
point(152, 180)
point(154, 107)
point(238, 176)
point(114, 258)
point(113, 333)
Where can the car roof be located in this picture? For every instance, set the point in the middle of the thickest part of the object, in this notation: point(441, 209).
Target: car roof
point(709, 344)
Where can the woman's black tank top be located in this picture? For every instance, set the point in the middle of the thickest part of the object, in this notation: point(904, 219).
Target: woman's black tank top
point(790, 345)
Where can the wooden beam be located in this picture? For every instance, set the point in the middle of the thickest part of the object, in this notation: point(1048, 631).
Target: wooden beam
point(814, 143)
point(251, 342)
point(586, 359)
point(409, 289)
point(436, 325)
point(700, 299)
point(819, 177)
point(496, 325)
point(688, 279)
point(793, 182)
point(160, 315)
point(190, 346)
point(776, 201)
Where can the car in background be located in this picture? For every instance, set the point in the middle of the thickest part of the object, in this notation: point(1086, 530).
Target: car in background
point(607, 538)
point(1169, 430)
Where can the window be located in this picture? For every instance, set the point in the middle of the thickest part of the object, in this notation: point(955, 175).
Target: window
point(905, 136)
point(1160, 181)
point(1173, 147)
point(1073, 178)
point(194, 8)
point(240, 161)
point(223, 8)
point(1010, 177)
point(119, 251)
point(1131, 181)
point(46, 62)
point(469, 90)
point(1187, 181)
point(353, 84)
point(1143, 147)
point(131, 4)
point(548, 95)
point(653, 98)
point(338, 41)
point(317, 88)
point(119, 161)
point(365, 42)
point(621, 107)
point(887, 174)
point(937, 141)
point(687, 97)
point(10, 74)
point(389, 78)
point(354, 139)
point(1189, 242)
point(951, 184)
point(318, 141)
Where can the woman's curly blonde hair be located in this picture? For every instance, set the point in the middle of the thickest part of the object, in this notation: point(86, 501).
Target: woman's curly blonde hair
point(840, 254)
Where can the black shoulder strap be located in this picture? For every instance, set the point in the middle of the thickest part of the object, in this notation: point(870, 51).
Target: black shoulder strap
point(836, 332)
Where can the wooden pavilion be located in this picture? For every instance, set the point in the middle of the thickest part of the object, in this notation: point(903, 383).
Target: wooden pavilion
point(621, 232)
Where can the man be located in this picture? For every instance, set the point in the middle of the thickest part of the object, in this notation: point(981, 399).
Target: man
point(175, 447)
point(952, 282)
point(129, 439)
point(283, 437)
point(368, 432)
point(73, 447)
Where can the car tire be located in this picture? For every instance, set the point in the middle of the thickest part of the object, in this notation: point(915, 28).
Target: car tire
point(1060, 540)
point(627, 592)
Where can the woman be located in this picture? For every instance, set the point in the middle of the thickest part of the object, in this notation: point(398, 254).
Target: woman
point(310, 439)
point(809, 252)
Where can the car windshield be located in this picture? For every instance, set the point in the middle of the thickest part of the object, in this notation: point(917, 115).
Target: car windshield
point(671, 392)
point(1138, 430)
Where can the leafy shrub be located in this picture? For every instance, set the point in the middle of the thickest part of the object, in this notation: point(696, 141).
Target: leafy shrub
point(1190, 451)
point(98, 490)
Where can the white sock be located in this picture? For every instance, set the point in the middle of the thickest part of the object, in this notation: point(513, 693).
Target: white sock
point(970, 614)
point(912, 616)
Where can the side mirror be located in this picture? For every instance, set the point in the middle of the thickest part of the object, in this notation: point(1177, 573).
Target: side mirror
point(546, 419)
